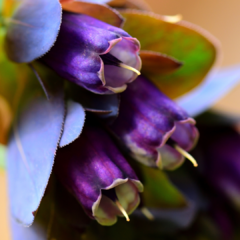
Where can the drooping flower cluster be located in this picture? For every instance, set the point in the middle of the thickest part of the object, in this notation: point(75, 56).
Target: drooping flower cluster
point(98, 115)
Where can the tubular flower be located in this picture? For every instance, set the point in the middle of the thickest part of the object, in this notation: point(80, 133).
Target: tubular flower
point(93, 54)
point(96, 173)
point(51, 136)
point(156, 131)
point(221, 154)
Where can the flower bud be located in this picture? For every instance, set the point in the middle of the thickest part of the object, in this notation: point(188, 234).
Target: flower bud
point(96, 173)
point(93, 54)
point(156, 131)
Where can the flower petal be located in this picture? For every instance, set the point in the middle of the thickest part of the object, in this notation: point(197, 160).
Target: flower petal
point(216, 86)
point(188, 43)
point(33, 29)
point(31, 152)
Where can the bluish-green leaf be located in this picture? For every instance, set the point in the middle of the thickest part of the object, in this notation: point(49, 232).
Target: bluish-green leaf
point(73, 124)
point(2, 156)
point(33, 29)
point(215, 87)
point(31, 151)
point(59, 217)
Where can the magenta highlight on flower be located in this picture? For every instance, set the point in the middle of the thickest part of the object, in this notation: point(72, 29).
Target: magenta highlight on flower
point(155, 130)
point(100, 178)
point(93, 54)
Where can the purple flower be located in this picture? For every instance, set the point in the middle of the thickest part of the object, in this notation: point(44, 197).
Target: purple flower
point(155, 130)
point(96, 173)
point(94, 54)
point(220, 150)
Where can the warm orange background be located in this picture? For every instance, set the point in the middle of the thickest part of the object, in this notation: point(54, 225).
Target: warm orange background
point(221, 18)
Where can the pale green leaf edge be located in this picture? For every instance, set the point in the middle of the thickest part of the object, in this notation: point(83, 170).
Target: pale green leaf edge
point(2, 157)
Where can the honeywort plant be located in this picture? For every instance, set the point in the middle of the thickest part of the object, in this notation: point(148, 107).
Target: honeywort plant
point(87, 88)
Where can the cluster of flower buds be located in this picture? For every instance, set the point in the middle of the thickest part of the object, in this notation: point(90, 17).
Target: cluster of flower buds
point(88, 133)
point(156, 131)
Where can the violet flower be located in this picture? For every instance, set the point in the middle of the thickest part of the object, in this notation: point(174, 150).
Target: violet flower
point(93, 54)
point(220, 151)
point(97, 174)
point(156, 131)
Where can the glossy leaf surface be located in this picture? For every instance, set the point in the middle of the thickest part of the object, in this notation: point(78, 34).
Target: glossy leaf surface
point(33, 29)
point(31, 151)
point(101, 12)
point(216, 86)
point(191, 45)
point(73, 124)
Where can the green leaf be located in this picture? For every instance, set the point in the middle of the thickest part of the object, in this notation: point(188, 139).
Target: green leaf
point(9, 75)
point(2, 156)
point(1, 6)
point(41, 22)
point(188, 43)
point(159, 192)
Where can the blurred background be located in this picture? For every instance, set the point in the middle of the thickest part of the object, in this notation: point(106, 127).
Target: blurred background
point(221, 18)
